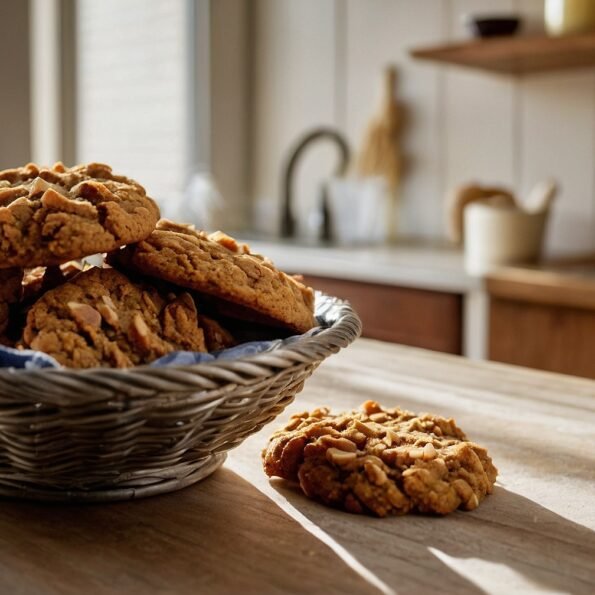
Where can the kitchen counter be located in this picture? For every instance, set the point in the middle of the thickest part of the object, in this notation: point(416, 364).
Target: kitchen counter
point(419, 265)
point(239, 532)
point(571, 285)
point(433, 266)
point(544, 317)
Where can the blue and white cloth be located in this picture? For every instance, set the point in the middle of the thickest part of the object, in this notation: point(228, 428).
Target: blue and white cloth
point(34, 360)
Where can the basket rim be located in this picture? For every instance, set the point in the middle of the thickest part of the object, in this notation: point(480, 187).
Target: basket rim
point(341, 326)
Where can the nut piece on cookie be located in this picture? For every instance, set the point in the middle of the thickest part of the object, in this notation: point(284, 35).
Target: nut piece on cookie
point(84, 315)
point(240, 284)
point(101, 318)
point(381, 461)
point(49, 216)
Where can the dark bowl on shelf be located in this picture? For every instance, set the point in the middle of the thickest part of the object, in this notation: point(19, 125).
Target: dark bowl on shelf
point(494, 26)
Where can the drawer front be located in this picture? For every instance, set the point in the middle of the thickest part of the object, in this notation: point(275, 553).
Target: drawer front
point(554, 338)
point(416, 317)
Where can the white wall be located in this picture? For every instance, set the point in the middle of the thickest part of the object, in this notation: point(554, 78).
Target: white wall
point(319, 62)
point(228, 114)
point(14, 95)
point(294, 83)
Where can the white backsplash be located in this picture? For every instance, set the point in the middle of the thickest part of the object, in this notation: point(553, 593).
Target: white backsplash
point(318, 62)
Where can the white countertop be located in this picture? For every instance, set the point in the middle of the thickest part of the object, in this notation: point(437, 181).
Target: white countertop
point(424, 266)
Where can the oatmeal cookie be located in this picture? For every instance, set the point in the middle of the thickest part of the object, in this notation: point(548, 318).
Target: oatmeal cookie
point(381, 461)
point(101, 318)
point(245, 285)
point(38, 280)
point(17, 297)
point(52, 215)
point(216, 337)
point(10, 294)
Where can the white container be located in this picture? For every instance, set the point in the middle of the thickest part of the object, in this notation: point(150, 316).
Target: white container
point(359, 210)
point(496, 236)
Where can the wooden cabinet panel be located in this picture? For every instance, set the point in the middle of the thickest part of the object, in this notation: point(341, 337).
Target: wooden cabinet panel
point(416, 317)
point(547, 337)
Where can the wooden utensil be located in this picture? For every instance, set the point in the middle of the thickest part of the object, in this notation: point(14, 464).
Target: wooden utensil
point(380, 154)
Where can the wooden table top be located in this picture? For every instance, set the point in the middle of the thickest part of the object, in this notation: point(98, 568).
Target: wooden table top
point(239, 532)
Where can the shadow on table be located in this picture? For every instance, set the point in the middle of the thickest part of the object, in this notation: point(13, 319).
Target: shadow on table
point(223, 535)
point(509, 542)
point(219, 536)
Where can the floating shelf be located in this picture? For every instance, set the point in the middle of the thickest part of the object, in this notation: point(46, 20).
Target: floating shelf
point(516, 55)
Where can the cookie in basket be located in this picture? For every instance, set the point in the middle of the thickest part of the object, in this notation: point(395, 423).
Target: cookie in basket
point(216, 337)
point(52, 215)
point(101, 318)
point(241, 284)
point(38, 280)
point(381, 461)
point(10, 295)
point(19, 289)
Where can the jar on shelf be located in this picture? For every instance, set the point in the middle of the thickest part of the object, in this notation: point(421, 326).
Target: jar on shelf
point(567, 17)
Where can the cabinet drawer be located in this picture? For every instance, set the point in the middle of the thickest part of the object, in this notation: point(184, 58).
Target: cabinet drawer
point(554, 338)
point(416, 317)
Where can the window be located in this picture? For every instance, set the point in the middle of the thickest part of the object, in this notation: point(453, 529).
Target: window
point(130, 83)
point(134, 90)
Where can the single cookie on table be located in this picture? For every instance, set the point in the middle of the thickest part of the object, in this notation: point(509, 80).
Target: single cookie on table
point(242, 284)
point(10, 295)
point(381, 461)
point(49, 216)
point(101, 318)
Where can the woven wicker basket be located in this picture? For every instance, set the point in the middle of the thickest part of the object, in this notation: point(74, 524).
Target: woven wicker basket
point(109, 434)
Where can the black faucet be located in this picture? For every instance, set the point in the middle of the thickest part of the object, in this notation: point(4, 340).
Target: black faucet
point(287, 218)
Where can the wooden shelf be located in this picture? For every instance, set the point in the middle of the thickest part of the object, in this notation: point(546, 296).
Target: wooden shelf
point(516, 55)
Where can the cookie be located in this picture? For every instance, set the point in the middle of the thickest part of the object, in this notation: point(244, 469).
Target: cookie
point(381, 461)
point(216, 337)
point(243, 284)
point(101, 318)
point(38, 280)
point(49, 216)
point(10, 294)
point(19, 289)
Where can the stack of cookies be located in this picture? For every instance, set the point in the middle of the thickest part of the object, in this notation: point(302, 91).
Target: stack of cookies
point(162, 286)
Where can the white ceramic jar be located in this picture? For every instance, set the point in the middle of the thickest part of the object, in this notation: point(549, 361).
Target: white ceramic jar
point(496, 236)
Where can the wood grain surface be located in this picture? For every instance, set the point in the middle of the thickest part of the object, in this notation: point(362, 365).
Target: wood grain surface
point(561, 286)
point(516, 55)
point(239, 532)
point(554, 338)
point(544, 317)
